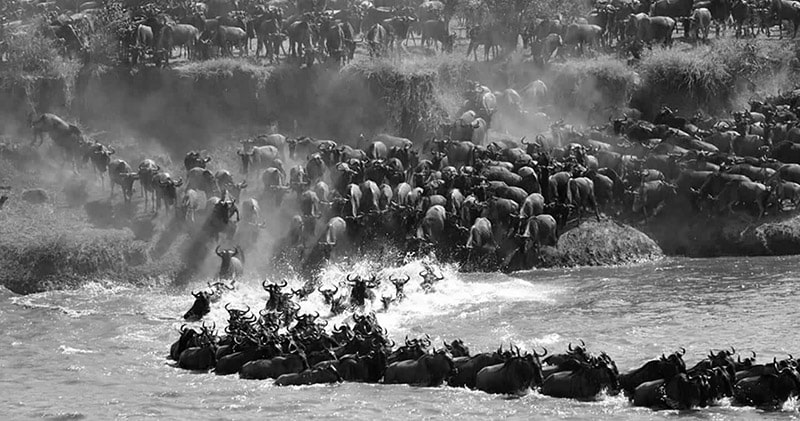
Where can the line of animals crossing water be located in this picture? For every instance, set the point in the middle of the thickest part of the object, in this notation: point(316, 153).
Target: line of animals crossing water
point(277, 343)
point(361, 292)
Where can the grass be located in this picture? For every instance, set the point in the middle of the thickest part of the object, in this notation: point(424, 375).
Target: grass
point(225, 68)
point(52, 245)
point(713, 77)
point(33, 56)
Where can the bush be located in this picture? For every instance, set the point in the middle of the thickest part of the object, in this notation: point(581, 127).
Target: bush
point(707, 77)
point(409, 89)
point(31, 53)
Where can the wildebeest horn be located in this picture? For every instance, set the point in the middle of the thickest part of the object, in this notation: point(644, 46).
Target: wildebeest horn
point(754, 354)
point(569, 347)
point(226, 307)
point(348, 278)
point(284, 284)
point(545, 352)
point(583, 344)
point(733, 350)
point(195, 295)
point(217, 251)
point(683, 351)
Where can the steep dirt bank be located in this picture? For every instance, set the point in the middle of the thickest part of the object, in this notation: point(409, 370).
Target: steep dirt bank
point(737, 235)
point(194, 105)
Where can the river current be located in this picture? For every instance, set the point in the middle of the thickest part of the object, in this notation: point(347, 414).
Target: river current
point(99, 352)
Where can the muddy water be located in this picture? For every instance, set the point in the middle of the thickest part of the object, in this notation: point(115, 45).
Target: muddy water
point(99, 352)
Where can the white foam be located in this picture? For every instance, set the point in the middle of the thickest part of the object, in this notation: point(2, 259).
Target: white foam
point(452, 295)
point(66, 350)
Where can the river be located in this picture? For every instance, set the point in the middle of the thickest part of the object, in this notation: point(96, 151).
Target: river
point(99, 352)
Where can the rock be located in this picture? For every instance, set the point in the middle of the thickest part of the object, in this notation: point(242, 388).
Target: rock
point(595, 243)
point(35, 196)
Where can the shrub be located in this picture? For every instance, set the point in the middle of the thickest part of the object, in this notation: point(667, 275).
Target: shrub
point(409, 90)
point(706, 77)
point(31, 53)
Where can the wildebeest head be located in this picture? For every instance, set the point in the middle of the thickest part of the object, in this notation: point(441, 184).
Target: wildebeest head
point(386, 301)
point(275, 295)
point(246, 158)
point(227, 254)
point(399, 284)
point(328, 294)
point(225, 208)
point(169, 187)
point(101, 156)
point(201, 306)
point(193, 159)
point(457, 348)
point(235, 190)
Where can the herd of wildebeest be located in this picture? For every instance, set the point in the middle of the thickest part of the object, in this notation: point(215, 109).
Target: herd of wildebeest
point(297, 350)
point(329, 31)
point(486, 205)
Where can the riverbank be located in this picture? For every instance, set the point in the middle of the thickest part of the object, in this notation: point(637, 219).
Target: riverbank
point(162, 113)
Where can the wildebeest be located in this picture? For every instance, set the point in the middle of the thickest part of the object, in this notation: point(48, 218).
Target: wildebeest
point(147, 170)
point(437, 31)
point(166, 189)
point(259, 158)
point(378, 40)
point(121, 173)
point(429, 370)
point(514, 376)
point(232, 264)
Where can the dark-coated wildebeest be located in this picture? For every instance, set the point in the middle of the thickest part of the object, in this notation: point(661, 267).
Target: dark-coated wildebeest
point(200, 307)
point(663, 368)
point(147, 170)
point(514, 376)
point(121, 173)
point(275, 367)
point(429, 370)
point(437, 31)
point(232, 264)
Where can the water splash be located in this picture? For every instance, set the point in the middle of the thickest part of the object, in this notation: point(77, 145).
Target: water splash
point(453, 295)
